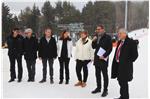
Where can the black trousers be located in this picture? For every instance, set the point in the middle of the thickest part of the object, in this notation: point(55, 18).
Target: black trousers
point(64, 63)
point(31, 68)
point(12, 59)
point(124, 89)
point(101, 67)
point(44, 62)
point(79, 65)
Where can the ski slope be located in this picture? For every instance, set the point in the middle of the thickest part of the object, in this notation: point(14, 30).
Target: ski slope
point(138, 87)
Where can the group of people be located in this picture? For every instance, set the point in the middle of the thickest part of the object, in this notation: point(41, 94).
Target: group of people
point(86, 50)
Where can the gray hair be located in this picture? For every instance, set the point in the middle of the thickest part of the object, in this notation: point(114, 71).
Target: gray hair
point(122, 30)
point(28, 30)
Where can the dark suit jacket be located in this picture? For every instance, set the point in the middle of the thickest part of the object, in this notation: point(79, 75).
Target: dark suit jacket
point(106, 43)
point(123, 70)
point(30, 48)
point(47, 49)
point(15, 45)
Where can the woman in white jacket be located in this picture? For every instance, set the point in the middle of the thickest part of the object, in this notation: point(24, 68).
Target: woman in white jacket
point(64, 48)
point(84, 53)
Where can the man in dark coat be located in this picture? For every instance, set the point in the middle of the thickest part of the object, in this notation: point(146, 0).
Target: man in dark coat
point(122, 68)
point(30, 53)
point(101, 40)
point(47, 52)
point(15, 52)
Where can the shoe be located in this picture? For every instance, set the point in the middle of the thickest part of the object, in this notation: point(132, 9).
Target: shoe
point(51, 81)
point(11, 80)
point(83, 84)
point(96, 91)
point(121, 98)
point(42, 81)
point(67, 82)
point(61, 81)
point(32, 80)
point(117, 98)
point(29, 80)
point(19, 80)
point(104, 94)
point(78, 83)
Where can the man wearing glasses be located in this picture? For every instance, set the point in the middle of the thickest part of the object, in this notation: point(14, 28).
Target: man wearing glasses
point(101, 41)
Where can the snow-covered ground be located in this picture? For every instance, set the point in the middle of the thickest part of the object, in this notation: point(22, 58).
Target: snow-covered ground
point(138, 87)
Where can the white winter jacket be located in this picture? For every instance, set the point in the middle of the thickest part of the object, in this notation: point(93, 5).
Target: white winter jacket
point(84, 51)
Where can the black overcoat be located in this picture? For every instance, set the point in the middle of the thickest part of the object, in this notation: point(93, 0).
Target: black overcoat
point(106, 43)
point(123, 70)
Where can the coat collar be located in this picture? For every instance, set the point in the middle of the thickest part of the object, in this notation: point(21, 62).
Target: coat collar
point(124, 44)
point(85, 39)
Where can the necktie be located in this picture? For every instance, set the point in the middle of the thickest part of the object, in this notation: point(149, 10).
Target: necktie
point(118, 51)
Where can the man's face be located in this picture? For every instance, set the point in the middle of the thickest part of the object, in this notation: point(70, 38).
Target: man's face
point(99, 30)
point(122, 35)
point(16, 32)
point(29, 34)
point(48, 33)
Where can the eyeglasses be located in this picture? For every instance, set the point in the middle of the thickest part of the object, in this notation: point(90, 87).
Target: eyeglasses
point(98, 29)
point(17, 31)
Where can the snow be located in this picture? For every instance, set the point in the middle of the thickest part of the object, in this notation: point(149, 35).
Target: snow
point(138, 87)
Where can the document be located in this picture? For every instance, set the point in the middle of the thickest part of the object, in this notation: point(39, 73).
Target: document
point(101, 52)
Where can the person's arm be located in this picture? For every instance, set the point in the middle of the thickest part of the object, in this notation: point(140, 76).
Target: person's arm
point(91, 53)
point(76, 51)
point(36, 44)
point(134, 51)
point(71, 47)
point(94, 42)
point(109, 48)
point(22, 45)
point(55, 49)
point(40, 48)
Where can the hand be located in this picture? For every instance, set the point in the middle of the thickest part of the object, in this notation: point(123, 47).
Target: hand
point(94, 38)
point(101, 58)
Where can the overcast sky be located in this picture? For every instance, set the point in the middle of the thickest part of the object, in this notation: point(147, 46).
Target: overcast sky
point(17, 5)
